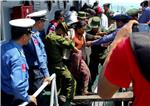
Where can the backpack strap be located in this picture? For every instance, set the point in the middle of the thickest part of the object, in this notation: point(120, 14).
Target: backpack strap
point(140, 43)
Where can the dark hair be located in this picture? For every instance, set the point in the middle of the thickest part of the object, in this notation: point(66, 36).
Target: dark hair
point(107, 5)
point(58, 14)
point(85, 6)
point(80, 24)
point(144, 4)
point(18, 32)
point(73, 8)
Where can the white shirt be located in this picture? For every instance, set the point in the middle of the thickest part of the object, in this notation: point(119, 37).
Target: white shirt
point(104, 21)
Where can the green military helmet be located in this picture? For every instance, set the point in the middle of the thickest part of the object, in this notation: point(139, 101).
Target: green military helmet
point(133, 12)
point(95, 22)
point(82, 15)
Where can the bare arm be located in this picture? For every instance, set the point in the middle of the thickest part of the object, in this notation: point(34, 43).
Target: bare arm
point(105, 88)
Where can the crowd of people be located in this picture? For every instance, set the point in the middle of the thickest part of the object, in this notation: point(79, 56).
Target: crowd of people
point(75, 44)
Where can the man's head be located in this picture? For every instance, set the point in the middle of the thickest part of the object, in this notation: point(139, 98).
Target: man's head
point(95, 24)
point(59, 15)
point(40, 18)
point(80, 27)
point(144, 4)
point(99, 11)
point(121, 19)
point(106, 6)
point(21, 30)
point(133, 13)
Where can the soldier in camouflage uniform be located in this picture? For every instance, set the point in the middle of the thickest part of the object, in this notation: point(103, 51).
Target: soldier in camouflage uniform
point(55, 43)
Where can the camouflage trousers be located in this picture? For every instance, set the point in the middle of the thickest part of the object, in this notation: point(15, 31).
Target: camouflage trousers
point(66, 84)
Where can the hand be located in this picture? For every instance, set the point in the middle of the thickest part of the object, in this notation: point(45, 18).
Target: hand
point(76, 50)
point(101, 33)
point(67, 38)
point(106, 44)
point(96, 37)
point(46, 79)
point(88, 43)
point(33, 99)
point(148, 23)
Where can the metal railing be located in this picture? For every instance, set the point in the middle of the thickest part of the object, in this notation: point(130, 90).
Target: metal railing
point(53, 97)
point(95, 100)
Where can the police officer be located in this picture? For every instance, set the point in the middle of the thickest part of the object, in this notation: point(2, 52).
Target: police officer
point(14, 70)
point(36, 56)
point(55, 43)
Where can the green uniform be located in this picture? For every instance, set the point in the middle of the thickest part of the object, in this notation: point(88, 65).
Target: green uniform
point(55, 45)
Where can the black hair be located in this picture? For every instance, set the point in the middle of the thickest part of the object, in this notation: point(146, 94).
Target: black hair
point(18, 32)
point(107, 5)
point(144, 4)
point(80, 24)
point(58, 14)
point(85, 6)
point(73, 8)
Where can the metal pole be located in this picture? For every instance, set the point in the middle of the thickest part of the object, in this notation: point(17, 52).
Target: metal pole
point(55, 92)
point(52, 93)
point(40, 89)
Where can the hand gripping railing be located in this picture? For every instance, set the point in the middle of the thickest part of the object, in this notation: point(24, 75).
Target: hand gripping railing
point(53, 91)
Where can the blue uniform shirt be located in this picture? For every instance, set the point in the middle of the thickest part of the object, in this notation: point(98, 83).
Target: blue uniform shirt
point(14, 71)
point(145, 17)
point(35, 53)
point(106, 38)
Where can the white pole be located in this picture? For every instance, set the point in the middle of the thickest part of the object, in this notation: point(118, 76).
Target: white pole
point(52, 93)
point(55, 92)
point(40, 89)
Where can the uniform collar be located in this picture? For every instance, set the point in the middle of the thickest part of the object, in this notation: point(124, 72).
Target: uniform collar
point(34, 30)
point(18, 46)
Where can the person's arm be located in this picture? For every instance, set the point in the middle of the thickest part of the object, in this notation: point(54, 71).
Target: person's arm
point(106, 87)
point(104, 39)
point(66, 44)
point(115, 72)
point(19, 80)
point(125, 31)
point(61, 41)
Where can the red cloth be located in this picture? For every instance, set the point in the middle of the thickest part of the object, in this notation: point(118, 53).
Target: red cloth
point(99, 10)
point(122, 69)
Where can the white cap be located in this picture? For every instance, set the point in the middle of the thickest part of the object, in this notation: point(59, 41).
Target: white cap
point(22, 23)
point(38, 15)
